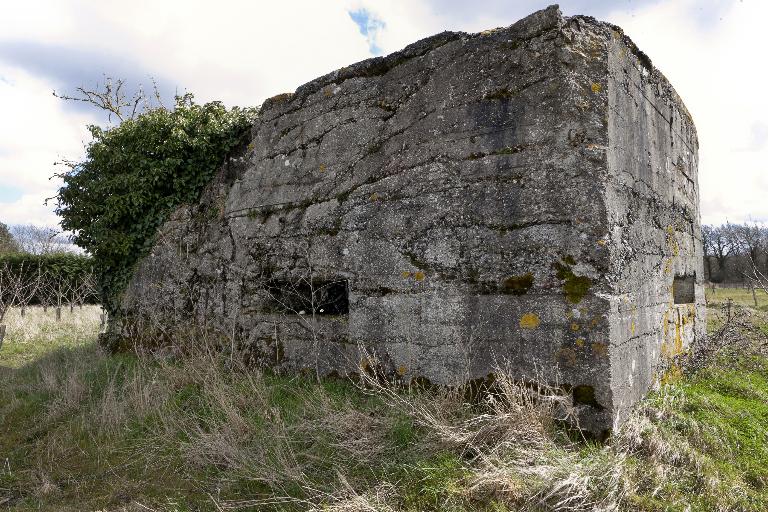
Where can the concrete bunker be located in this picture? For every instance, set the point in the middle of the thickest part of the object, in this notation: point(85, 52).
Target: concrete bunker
point(520, 198)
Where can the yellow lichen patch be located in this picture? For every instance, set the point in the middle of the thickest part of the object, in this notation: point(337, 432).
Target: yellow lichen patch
point(569, 315)
point(596, 88)
point(595, 322)
point(672, 375)
point(580, 342)
point(672, 241)
point(678, 336)
point(567, 356)
point(401, 370)
point(665, 349)
point(600, 348)
point(575, 326)
point(406, 274)
point(327, 92)
point(419, 276)
point(668, 265)
point(374, 197)
point(365, 364)
point(632, 327)
point(530, 321)
point(322, 168)
point(601, 242)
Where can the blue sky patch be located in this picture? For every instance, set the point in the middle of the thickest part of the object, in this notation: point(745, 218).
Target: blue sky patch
point(9, 194)
point(369, 26)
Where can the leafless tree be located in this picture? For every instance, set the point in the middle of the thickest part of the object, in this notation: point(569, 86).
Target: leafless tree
point(27, 287)
point(83, 288)
point(707, 234)
point(56, 291)
point(720, 244)
point(749, 240)
point(8, 294)
point(112, 97)
point(41, 240)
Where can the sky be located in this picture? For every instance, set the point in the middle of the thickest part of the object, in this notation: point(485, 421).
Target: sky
point(242, 52)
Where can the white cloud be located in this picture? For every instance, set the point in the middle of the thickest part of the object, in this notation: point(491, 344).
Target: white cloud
point(242, 52)
point(36, 131)
point(237, 52)
point(716, 67)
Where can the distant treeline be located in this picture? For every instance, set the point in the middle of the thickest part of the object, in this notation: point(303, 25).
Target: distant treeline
point(732, 252)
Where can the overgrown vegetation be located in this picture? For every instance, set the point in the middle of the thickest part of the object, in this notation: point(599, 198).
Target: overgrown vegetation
point(134, 174)
point(172, 430)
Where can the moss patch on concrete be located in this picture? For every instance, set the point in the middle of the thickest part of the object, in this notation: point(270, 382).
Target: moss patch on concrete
point(574, 287)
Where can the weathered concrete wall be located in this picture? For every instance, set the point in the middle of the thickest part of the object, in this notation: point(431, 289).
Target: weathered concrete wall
point(523, 197)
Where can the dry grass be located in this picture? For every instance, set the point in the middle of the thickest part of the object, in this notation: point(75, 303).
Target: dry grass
point(168, 430)
point(38, 333)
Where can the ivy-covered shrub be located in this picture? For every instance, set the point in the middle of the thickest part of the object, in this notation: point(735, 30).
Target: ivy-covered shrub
point(135, 174)
point(65, 271)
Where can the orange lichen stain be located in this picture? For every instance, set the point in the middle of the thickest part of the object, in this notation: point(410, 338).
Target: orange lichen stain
point(596, 88)
point(401, 370)
point(530, 321)
point(322, 168)
point(600, 348)
point(580, 342)
point(419, 276)
point(575, 326)
point(406, 274)
point(567, 356)
point(374, 197)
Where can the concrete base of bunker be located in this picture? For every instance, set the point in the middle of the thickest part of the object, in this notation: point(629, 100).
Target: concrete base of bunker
point(525, 197)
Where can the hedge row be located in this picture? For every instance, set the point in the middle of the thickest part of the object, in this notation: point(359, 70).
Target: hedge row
point(64, 271)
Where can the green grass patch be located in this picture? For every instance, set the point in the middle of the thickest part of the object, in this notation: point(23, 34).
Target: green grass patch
point(82, 430)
